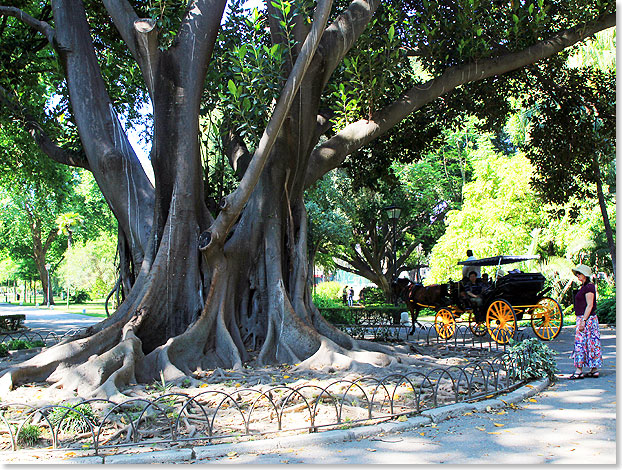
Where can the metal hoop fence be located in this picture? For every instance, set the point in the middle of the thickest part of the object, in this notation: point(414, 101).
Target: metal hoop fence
point(211, 416)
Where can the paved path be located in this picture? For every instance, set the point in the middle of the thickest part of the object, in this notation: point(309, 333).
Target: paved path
point(571, 422)
point(49, 319)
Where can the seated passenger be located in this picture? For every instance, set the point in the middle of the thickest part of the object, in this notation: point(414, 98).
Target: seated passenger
point(473, 289)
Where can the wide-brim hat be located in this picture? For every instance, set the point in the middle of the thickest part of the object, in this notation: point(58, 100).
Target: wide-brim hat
point(583, 269)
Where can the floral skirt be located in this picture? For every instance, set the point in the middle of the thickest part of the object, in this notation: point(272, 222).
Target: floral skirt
point(587, 352)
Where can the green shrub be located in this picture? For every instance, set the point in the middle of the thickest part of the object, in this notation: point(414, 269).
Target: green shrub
point(28, 435)
point(21, 344)
point(354, 316)
point(73, 418)
point(328, 294)
point(4, 350)
point(372, 295)
point(606, 304)
point(80, 296)
point(18, 345)
point(531, 359)
point(606, 310)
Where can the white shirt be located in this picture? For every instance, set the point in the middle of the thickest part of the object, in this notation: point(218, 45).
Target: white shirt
point(466, 269)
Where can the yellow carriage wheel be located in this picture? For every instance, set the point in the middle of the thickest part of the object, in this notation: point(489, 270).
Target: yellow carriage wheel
point(477, 328)
point(501, 321)
point(444, 323)
point(547, 319)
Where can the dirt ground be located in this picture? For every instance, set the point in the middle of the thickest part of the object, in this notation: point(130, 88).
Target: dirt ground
point(221, 404)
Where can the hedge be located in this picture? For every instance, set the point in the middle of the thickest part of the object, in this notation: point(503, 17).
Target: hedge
point(359, 315)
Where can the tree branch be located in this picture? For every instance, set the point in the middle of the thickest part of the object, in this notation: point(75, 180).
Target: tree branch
point(341, 35)
point(235, 202)
point(140, 35)
point(196, 39)
point(41, 26)
point(333, 152)
point(236, 151)
point(45, 143)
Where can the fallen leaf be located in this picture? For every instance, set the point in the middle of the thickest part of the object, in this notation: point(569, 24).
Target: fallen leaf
point(533, 400)
point(238, 385)
point(480, 428)
point(468, 413)
point(529, 386)
point(402, 418)
point(371, 450)
point(494, 432)
point(286, 376)
point(203, 385)
point(232, 453)
point(502, 412)
point(422, 434)
point(499, 425)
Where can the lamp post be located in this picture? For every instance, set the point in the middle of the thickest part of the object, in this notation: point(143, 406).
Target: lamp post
point(68, 249)
point(47, 268)
point(393, 213)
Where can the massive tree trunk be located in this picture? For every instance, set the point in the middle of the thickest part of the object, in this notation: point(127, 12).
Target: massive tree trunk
point(203, 291)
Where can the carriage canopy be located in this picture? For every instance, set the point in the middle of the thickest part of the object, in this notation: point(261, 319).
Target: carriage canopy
point(497, 260)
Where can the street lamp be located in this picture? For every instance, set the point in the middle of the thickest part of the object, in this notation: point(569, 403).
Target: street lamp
point(393, 213)
point(47, 268)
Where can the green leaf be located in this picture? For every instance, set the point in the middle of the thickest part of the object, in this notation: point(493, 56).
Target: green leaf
point(232, 88)
point(391, 33)
point(515, 18)
point(531, 7)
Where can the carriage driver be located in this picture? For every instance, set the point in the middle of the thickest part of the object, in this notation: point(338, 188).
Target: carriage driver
point(466, 270)
point(473, 289)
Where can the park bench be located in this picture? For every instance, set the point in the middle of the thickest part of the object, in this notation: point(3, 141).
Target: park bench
point(12, 322)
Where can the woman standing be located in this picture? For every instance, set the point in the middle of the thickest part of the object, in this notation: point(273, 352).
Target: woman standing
point(587, 352)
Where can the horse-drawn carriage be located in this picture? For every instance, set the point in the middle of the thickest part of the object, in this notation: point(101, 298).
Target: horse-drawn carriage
point(506, 300)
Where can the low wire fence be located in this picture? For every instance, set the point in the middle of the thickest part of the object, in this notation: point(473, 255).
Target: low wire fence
point(427, 334)
point(48, 338)
point(212, 416)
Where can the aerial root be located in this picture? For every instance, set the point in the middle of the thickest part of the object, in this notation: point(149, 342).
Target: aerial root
point(331, 357)
point(103, 375)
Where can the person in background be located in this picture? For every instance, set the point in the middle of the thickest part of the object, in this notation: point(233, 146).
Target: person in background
point(344, 295)
point(351, 297)
point(587, 350)
point(466, 270)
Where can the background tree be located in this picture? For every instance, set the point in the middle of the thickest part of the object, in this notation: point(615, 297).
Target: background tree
point(572, 145)
point(205, 285)
point(351, 227)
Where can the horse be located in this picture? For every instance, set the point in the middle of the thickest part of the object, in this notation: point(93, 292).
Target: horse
point(418, 296)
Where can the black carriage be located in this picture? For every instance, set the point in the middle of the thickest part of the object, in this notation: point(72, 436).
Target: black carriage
point(506, 300)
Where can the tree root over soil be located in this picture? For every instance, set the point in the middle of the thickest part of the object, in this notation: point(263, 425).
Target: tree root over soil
point(250, 400)
point(329, 363)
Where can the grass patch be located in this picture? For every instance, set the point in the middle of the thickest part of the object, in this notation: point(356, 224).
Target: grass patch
point(94, 308)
